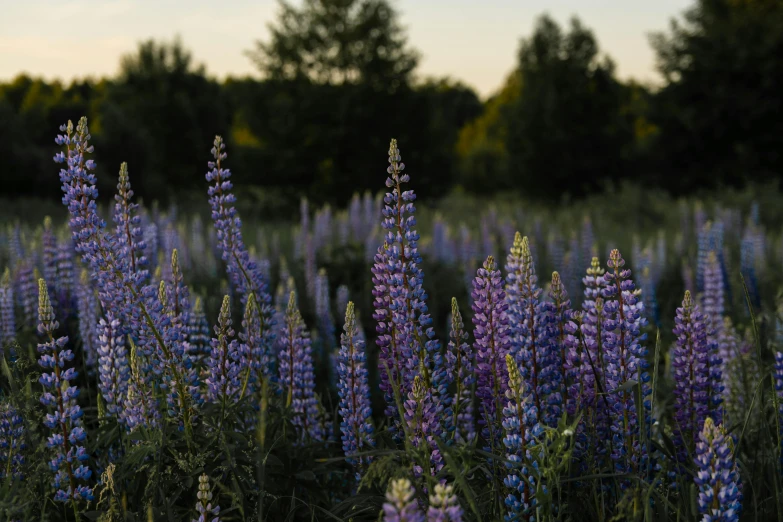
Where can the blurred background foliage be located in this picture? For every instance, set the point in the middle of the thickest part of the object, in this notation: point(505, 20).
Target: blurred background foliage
point(338, 79)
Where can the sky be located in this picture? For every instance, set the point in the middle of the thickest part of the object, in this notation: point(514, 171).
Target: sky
point(474, 41)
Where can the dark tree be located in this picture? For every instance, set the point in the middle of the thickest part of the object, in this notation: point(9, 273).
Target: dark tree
point(720, 112)
point(160, 115)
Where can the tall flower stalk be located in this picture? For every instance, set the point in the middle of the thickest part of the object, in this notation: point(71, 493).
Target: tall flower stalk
point(64, 419)
point(460, 369)
point(717, 476)
point(354, 392)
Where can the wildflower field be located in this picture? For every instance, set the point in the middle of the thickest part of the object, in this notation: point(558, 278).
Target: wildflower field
point(495, 362)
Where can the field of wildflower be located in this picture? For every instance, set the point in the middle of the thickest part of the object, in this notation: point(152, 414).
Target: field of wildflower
point(584, 363)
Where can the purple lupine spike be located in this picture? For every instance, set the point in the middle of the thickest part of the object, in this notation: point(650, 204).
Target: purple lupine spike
point(354, 392)
point(518, 440)
point(7, 320)
point(141, 408)
point(68, 435)
point(261, 361)
point(295, 364)
point(49, 253)
point(713, 318)
point(491, 346)
point(689, 360)
point(243, 272)
point(559, 309)
point(12, 442)
point(444, 505)
point(323, 311)
point(400, 505)
point(87, 308)
point(421, 416)
point(713, 298)
point(113, 367)
point(717, 476)
point(206, 511)
point(225, 366)
point(342, 297)
point(178, 295)
point(28, 292)
point(410, 314)
point(460, 368)
point(64, 283)
point(392, 355)
point(625, 362)
point(198, 333)
point(128, 233)
point(531, 345)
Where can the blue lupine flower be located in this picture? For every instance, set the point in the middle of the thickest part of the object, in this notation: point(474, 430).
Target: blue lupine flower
point(492, 344)
point(354, 392)
point(717, 476)
point(12, 442)
point(400, 505)
point(519, 440)
point(559, 309)
point(625, 362)
point(460, 368)
point(444, 505)
point(778, 376)
point(392, 354)
point(206, 511)
point(295, 365)
point(28, 292)
point(178, 295)
point(198, 333)
point(691, 375)
point(409, 307)
point(421, 416)
point(64, 283)
point(87, 308)
point(323, 311)
point(7, 321)
point(261, 362)
point(113, 367)
point(65, 418)
point(227, 363)
point(531, 343)
point(244, 273)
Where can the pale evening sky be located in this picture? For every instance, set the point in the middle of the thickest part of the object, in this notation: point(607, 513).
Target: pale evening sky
point(474, 41)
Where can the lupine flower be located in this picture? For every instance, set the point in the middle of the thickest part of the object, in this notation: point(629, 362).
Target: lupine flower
point(49, 253)
point(421, 416)
point(243, 272)
point(559, 309)
point(65, 277)
point(141, 408)
point(178, 295)
point(409, 307)
point(12, 442)
point(354, 392)
point(460, 366)
point(323, 310)
point(518, 440)
point(226, 363)
point(7, 321)
point(492, 344)
point(113, 367)
point(261, 361)
point(198, 332)
point(295, 364)
point(444, 506)
point(392, 353)
point(68, 434)
point(625, 361)
point(400, 505)
point(206, 511)
point(28, 292)
point(531, 343)
point(87, 308)
point(691, 375)
point(717, 476)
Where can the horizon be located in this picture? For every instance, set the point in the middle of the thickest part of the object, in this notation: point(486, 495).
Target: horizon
point(218, 36)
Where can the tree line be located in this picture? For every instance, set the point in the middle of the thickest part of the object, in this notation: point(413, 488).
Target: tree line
point(339, 79)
